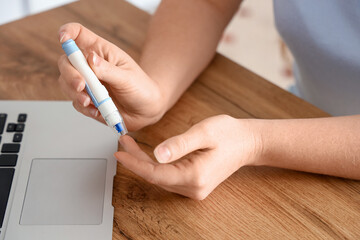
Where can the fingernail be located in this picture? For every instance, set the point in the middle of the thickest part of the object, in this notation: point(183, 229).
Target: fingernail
point(61, 36)
point(95, 59)
point(94, 112)
point(86, 102)
point(79, 87)
point(162, 154)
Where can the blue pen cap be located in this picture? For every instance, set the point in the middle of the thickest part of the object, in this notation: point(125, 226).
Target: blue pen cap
point(69, 47)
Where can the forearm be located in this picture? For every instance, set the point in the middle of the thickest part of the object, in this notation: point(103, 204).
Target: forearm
point(323, 145)
point(181, 41)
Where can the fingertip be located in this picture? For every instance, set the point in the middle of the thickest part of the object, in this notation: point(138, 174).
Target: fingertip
point(84, 99)
point(63, 34)
point(94, 59)
point(162, 154)
point(63, 37)
point(126, 141)
point(86, 102)
point(94, 112)
point(62, 29)
point(80, 85)
point(69, 30)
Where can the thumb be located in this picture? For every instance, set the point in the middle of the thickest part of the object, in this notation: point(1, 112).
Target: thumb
point(181, 145)
point(105, 71)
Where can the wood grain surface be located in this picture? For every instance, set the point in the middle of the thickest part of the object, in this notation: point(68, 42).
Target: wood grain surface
point(254, 203)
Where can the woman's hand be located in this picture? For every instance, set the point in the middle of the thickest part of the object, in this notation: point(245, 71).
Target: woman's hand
point(137, 96)
point(196, 162)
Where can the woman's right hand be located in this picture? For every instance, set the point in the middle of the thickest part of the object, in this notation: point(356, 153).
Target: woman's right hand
point(137, 96)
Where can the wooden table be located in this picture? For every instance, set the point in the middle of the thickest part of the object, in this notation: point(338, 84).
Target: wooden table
point(254, 203)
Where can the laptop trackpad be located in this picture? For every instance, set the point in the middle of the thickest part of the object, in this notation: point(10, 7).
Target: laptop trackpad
point(65, 192)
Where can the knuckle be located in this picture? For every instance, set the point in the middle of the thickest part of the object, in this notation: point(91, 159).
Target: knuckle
point(224, 120)
point(225, 117)
point(206, 128)
point(181, 144)
point(229, 120)
point(210, 126)
point(199, 180)
point(153, 180)
point(106, 69)
point(199, 195)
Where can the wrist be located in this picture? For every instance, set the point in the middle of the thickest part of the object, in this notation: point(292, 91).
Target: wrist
point(158, 101)
point(170, 83)
point(265, 132)
point(255, 130)
point(162, 97)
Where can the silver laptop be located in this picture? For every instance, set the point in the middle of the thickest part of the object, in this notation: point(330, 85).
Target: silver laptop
point(56, 173)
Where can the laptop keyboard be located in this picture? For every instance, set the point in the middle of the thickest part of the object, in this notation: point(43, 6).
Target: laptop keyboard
point(9, 156)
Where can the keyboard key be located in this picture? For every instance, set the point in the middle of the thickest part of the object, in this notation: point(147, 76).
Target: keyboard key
point(22, 117)
point(6, 178)
point(2, 122)
point(8, 160)
point(19, 127)
point(11, 127)
point(17, 137)
point(10, 148)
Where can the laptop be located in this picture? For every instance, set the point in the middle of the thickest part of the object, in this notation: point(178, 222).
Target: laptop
point(56, 173)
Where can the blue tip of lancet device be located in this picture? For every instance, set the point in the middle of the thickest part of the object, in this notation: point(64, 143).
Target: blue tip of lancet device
point(119, 128)
point(69, 47)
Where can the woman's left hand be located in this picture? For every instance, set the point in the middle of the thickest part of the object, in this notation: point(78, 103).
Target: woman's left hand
point(194, 163)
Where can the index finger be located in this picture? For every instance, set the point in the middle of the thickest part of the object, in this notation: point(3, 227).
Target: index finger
point(88, 41)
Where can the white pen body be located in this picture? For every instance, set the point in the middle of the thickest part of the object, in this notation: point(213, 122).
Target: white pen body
point(78, 60)
point(106, 106)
